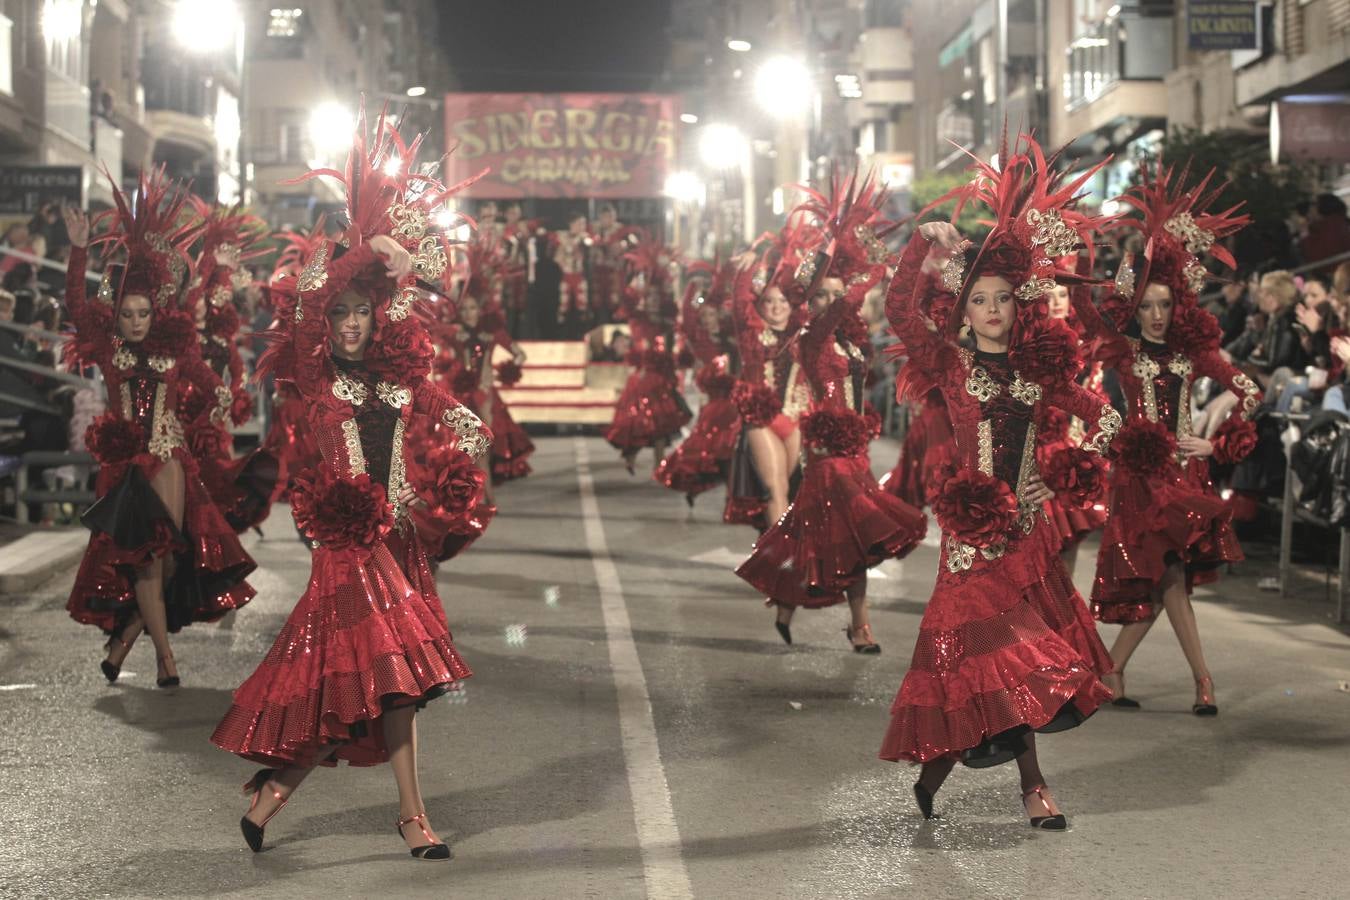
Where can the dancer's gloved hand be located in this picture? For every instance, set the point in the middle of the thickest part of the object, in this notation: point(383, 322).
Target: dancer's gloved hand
point(1192, 446)
point(397, 260)
point(77, 225)
point(1036, 491)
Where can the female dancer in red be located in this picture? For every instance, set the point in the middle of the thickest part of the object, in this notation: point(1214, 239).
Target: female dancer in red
point(1006, 646)
point(650, 409)
point(702, 460)
point(367, 643)
point(1168, 530)
point(479, 329)
point(160, 556)
point(771, 393)
point(841, 523)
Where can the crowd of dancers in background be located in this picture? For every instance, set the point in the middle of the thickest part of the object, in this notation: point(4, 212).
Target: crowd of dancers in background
point(390, 342)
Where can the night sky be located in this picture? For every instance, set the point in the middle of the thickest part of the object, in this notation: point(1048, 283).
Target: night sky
point(562, 45)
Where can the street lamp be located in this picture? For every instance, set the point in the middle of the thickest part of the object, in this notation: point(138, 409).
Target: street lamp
point(738, 46)
point(722, 146)
point(205, 26)
point(784, 87)
point(330, 127)
point(416, 90)
point(685, 187)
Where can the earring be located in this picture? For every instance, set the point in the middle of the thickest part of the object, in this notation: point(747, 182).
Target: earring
point(964, 332)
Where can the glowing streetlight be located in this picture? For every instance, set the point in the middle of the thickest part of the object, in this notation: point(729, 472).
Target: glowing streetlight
point(738, 46)
point(684, 187)
point(722, 146)
point(330, 127)
point(205, 26)
point(784, 87)
point(62, 19)
point(417, 90)
point(689, 118)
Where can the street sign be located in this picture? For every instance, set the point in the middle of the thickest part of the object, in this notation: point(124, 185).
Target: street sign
point(1221, 24)
point(26, 189)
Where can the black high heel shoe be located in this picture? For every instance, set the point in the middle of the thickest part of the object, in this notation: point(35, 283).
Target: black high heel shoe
point(869, 645)
point(924, 799)
point(432, 850)
point(1204, 698)
point(253, 833)
point(1120, 701)
point(167, 681)
point(1053, 822)
point(111, 671)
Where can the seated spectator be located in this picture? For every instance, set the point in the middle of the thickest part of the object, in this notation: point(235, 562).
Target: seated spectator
point(620, 345)
point(1277, 346)
point(1232, 308)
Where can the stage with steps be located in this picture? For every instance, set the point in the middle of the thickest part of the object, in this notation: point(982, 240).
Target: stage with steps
point(559, 386)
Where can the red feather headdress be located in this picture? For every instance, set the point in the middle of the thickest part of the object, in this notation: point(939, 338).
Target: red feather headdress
point(850, 233)
point(153, 232)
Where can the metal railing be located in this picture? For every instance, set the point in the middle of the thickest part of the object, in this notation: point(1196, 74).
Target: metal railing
point(25, 494)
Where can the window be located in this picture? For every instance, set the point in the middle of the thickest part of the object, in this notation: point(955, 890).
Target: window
point(284, 23)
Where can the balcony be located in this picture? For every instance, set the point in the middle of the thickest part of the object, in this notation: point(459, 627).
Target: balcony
point(1114, 74)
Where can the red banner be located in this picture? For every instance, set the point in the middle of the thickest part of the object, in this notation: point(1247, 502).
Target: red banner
point(561, 145)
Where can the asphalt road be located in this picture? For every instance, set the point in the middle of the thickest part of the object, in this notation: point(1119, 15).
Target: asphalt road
point(636, 728)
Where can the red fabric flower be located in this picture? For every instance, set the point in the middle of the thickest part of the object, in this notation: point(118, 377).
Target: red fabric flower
point(171, 333)
point(209, 443)
point(1077, 475)
point(1054, 424)
point(222, 320)
point(659, 362)
point(1234, 441)
point(757, 403)
point(714, 382)
point(1046, 353)
point(1119, 310)
point(241, 406)
point(401, 353)
point(113, 440)
point(341, 513)
point(449, 481)
point(837, 432)
point(977, 509)
point(1145, 448)
point(509, 373)
point(943, 468)
point(873, 420)
point(1007, 258)
point(1193, 329)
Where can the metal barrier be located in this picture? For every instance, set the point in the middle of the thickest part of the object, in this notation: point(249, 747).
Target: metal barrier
point(24, 494)
point(1289, 510)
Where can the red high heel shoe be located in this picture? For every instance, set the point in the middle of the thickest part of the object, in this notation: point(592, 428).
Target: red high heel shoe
point(253, 833)
point(868, 645)
point(431, 850)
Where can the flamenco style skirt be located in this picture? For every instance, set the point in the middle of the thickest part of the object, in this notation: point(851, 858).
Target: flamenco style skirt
point(649, 410)
point(1071, 522)
point(290, 439)
point(746, 494)
point(367, 636)
point(840, 524)
point(1005, 647)
point(703, 459)
point(511, 446)
point(1154, 523)
point(929, 437)
point(130, 527)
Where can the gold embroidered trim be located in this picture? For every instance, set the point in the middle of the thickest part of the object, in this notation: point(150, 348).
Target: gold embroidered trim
point(876, 250)
point(1108, 423)
point(224, 399)
point(410, 222)
point(954, 272)
point(124, 358)
point(395, 396)
point(397, 472)
point(1146, 369)
point(349, 389)
point(221, 296)
point(126, 401)
point(165, 431)
point(1057, 238)
point(1125, 281)
point(105, 289)
point(806, 270)
point(1028, 392)
point(1196, 275)
point(1196, 239)
point(985, 432)
point(1035, 289)
point(160, 364)
point(402, 303)
point(356, 457)
point(466, 427)
point(429, 262)
point(981, 385)
point(1251, 394)
point(797, 397)
point(314, 275)
point(960, 557)
point(1026, 513)
point(767, 337)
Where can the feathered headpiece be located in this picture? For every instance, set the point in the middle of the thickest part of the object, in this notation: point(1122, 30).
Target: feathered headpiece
point(153, 233)
point(850, 233)
point(479, 271)
point(1179, 231)
point(229, 229)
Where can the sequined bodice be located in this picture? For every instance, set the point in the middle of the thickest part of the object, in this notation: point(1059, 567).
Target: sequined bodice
point(1166, 383)
point(215, 353)
point(374, 420)
point(141, 387)
point(1009, 417)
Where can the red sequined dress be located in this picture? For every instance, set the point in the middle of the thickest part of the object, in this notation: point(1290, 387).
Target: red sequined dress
point(841, 523)
point(369, 633)
point(1057, 432)
point(1006, 644)
point(142, 430)
point(771, 392)
point(1168, 511)
point(702, 460)
point(649, 409)
point(927, 442)
point(473, 349)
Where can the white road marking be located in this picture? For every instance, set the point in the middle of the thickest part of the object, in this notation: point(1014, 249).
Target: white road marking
point(17, 687)
point(653, 814)
point(722, 557)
